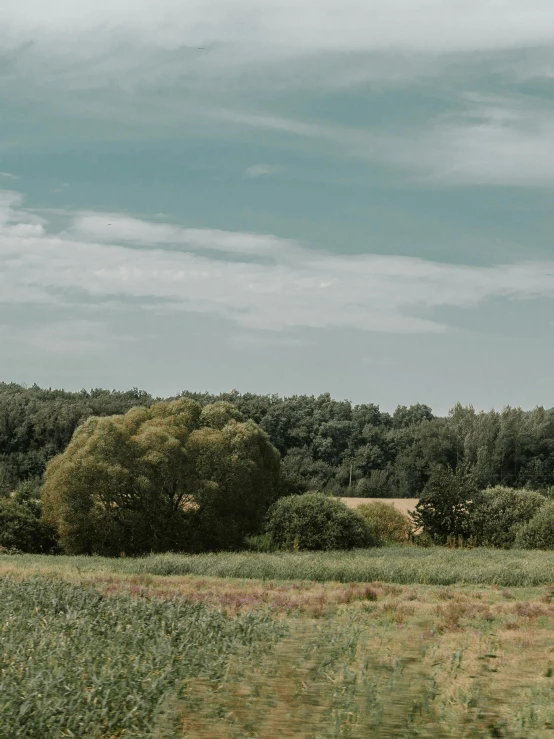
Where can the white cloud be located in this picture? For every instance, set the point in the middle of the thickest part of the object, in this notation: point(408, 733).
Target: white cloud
point(443, 25)
point(493, 141)
point(297, 287)
point(262, 170)
point(118, 228)
point(496, 141)
point(125, 48)
point(8, 176)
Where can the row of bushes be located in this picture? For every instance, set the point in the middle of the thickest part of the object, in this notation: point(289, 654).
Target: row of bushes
point(453, 508)
point(313, 521)
point(498, 517)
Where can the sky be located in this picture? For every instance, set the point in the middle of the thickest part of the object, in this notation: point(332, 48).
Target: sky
point(350, 197)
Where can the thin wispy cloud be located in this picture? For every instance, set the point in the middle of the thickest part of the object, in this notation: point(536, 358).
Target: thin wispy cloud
point(494, 140)
point(263, 170)
point(219, 46)
point(434, 24)
point(298, 287)
point(176, 69)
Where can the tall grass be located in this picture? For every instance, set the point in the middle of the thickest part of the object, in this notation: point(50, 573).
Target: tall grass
point(75, 663)
point(386, 661)
point(402, 564)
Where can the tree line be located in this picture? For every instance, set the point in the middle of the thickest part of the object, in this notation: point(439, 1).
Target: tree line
point(325, 444)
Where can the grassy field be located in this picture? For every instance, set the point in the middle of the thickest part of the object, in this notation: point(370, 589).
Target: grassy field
point(402, 564)
point(112, 649)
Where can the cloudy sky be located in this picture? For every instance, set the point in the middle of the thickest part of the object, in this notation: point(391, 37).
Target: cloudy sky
point(280, 196)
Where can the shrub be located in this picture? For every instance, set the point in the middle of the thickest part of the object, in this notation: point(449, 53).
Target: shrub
point(386, 522)
point(446, 505)
point(21, 529)
point(538, 532)
point(501, 512)
point(316, 521)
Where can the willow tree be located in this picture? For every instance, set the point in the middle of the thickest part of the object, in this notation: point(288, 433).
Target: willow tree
point(172, 476)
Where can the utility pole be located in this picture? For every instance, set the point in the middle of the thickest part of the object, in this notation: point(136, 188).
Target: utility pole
point(350, 483)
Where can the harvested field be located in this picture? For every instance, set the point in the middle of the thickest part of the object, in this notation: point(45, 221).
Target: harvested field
point(402, 504)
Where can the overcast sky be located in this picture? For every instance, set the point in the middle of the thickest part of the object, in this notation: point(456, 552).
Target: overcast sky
point(280, 196)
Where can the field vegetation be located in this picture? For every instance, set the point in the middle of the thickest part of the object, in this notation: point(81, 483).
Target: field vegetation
point(91, 650)
point(407, 565)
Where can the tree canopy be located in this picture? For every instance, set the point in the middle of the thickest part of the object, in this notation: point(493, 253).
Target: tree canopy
point(324, 443)
point(170, 476)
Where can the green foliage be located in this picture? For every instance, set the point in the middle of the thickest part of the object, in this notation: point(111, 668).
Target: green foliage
point(538, 532)
point(378, 484)
point(403, 565)
point(259, 543)
point(217, 415)
point(386, 522)
point(76, 663)
point(325, 443)
point(21, 529)
point(501, 512)
point(316, 521)
point(172, 476)
point(37, 424)
point(447, 504)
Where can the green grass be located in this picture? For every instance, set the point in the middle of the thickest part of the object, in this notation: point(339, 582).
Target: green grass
point(462, 646)
point(402, 564)
point(76, 663)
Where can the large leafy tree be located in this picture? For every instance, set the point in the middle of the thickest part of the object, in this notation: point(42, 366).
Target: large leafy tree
point(166, 477)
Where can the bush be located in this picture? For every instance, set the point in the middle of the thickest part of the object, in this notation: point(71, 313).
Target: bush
point(538, 532)
point(386, 522)
point(501, 512)
point(22, 530)
point(316, 521)
point(446, 506)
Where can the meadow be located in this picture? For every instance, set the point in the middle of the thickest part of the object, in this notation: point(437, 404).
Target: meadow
point(407, 565)
point(165, 647)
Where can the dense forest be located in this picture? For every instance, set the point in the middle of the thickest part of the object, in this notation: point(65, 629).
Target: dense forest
point(325, 444)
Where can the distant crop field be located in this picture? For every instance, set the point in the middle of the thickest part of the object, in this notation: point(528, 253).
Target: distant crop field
point(403, 504)
point(90, 649)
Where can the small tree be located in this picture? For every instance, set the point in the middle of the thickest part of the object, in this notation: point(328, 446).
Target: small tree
point(446, 505)
point(316, 521)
